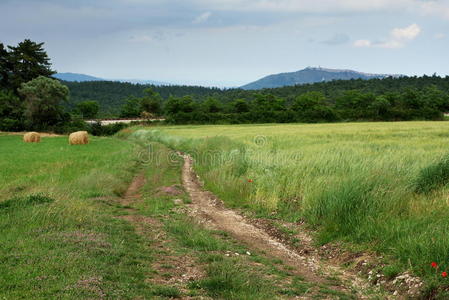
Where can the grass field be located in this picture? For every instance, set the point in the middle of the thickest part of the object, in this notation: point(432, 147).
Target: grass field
point(381, 186)
point(375, 186)
point(57, 240)
point(66, 235)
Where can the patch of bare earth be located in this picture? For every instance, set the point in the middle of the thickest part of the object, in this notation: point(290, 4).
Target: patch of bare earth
point(305, 259)
point(171, 269)
point(91, 285)
point(173, 190)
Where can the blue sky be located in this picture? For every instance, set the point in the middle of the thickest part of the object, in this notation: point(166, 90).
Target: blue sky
point(232, 42)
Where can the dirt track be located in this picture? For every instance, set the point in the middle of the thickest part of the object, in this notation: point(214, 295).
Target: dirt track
point(210, 211)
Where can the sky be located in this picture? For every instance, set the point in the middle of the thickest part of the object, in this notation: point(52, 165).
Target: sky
point(229, 43)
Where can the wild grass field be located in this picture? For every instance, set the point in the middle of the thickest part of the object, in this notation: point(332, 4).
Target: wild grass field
point(66, 233)
point(380, 186)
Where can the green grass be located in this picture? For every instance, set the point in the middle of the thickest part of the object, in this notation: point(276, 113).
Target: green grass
point(56, 240)
point(64, 236)
point(382, 186)
point(227, 275)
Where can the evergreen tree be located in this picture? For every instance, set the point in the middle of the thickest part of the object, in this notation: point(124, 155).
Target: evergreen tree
point(28, 60)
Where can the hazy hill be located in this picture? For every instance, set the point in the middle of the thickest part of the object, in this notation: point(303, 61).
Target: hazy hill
point(309, 75)
point(76, 77)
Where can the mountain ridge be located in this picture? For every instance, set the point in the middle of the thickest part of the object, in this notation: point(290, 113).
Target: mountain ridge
point(78, 77)
point(310, 75)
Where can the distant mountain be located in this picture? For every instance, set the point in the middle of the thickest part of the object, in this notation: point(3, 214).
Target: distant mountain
point(75, 77)
point(140, 81)
point(309, 75)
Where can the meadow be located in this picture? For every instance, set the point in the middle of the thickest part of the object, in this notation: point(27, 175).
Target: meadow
point(378, 186)
point(59, 239)
point(66, 234)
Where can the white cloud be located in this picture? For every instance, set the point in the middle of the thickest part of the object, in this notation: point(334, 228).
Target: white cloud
point(202, 18)
point(439, 36)
point(399, 37)
point(362, 43)
point(438, 8)
point(406, 34)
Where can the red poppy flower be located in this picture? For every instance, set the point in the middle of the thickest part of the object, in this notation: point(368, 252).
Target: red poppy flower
point(250, 180)
point(434, 265)
point(444, 274)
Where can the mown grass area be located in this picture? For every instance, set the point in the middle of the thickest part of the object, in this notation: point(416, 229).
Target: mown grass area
point(58, 239)
point(382, 186)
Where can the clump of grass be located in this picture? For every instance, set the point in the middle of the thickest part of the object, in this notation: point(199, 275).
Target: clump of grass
point(166, 291)
point(30, 200)
point(433, 176)
point(193, 236)
point(228, 280)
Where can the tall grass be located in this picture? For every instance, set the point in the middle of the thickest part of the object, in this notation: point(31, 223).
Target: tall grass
point(362, 183)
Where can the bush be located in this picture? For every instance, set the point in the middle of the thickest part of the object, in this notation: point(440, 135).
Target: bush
point(105, 130)
point(433, 176)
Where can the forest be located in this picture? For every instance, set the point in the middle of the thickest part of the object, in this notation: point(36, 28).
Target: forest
point(389, 99)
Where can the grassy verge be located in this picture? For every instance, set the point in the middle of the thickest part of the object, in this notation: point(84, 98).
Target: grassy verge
point(380, 186)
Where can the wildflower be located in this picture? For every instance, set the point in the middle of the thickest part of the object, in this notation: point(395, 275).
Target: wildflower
point(434, 265)
point(444, 274)
point(250, 180)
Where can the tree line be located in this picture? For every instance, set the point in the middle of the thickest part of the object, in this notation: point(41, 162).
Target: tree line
point(388, 99)
point(30, 99)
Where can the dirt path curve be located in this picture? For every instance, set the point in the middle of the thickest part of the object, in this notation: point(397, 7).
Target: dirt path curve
point(208, 208)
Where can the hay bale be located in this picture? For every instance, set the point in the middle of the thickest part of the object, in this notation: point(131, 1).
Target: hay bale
point(79, 138)
point(32, 137)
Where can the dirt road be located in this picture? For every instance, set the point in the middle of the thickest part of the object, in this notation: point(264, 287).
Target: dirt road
point(210, 211)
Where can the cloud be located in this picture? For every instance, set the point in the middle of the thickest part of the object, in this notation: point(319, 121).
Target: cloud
point(362, 43)
point(438, 8)
point(406, 34)
point(399, 37)
point(337, 39)
point(202, 18)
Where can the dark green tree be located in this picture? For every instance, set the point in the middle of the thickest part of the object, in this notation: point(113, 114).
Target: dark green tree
point(131, 108)
point(313, 107)
point(211, 105)
point(11, 112)
point(5, 67)
point(240, 106)
point(28, 60)
point(151, 102)
point(43, 98)
point(88, 109)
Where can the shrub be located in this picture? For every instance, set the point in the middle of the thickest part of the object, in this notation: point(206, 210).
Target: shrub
point(433, 176)
point(105, 130)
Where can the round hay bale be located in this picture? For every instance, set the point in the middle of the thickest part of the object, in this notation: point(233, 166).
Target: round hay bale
point(32, 137)
point(79, 138)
